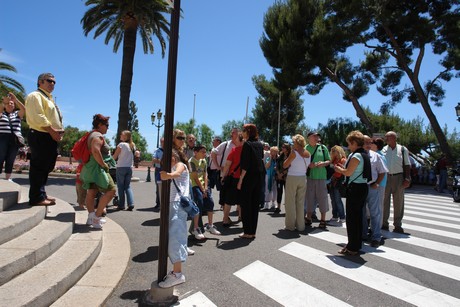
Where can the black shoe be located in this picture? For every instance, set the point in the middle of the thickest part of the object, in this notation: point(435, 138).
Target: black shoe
point(375, 243)
point(130, 208)
point(385, 228)
point(308, 222)
point(277, 210)
point(398, 230)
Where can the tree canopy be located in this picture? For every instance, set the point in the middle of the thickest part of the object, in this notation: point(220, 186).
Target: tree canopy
point(122, 21)
point(266, 112)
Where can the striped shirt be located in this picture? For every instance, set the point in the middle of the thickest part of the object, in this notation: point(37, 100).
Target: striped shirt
point(15, 122)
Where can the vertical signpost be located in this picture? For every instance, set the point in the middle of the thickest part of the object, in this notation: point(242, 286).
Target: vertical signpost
point(156, 295)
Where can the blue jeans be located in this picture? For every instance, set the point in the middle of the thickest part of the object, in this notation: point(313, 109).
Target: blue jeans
point(337, 205)
point(373, 203)
point(124, 175)
point(177, 244)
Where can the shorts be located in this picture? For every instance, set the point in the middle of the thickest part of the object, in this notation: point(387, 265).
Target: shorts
point(231, 194)
point(206, 204)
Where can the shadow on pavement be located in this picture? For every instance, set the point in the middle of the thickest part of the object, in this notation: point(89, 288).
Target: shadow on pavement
point(151, 254)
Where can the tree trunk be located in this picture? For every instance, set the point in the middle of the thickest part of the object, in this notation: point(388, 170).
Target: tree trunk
point(354, 101)
point(129, 49)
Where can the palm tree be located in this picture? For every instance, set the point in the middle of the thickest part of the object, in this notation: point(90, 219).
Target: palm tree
point(121, 20)
point(7, 82)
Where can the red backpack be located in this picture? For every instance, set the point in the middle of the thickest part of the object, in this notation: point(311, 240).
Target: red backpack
point(80, 150)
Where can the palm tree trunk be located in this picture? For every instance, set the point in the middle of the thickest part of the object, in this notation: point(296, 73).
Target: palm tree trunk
point(129, 49)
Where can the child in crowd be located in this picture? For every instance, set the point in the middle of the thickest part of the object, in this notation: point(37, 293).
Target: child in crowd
point(201, 192)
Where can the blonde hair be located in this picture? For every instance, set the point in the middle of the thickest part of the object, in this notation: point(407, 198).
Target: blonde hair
point(357, 137)
point(299, 139)
point(129, 139)
point(339, 150)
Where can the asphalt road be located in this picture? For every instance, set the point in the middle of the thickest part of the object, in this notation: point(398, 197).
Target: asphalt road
point(281, 268)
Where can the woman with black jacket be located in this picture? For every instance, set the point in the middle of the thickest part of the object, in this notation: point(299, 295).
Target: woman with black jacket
point(251, 180)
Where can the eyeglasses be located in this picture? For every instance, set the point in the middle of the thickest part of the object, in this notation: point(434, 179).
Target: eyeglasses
point(50, 81)
point(181, 138)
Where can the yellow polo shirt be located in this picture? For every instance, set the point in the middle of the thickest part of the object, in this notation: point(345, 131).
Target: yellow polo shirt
point(41, 111)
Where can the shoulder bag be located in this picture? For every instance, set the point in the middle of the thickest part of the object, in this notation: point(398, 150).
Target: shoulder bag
point(187, 204)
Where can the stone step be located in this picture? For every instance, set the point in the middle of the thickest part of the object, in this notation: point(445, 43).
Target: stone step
point(37, 244)
point(95, 287)
point(19, 219)
point(9, 194)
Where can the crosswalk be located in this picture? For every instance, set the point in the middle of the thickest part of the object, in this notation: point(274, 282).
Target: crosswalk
point(421, 268)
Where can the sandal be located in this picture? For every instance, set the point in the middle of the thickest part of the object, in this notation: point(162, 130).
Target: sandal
point(308, 221)
point(345, 251)
point(322, 224)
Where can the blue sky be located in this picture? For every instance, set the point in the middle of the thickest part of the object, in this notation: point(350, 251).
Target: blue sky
point(218, 55)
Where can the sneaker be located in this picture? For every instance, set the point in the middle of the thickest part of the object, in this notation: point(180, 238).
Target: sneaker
point(342, 221)
point(190, 251)
point(334, 220)
point(212, 229)
point(97, 223)
point(92, 216)
point(171, 280)
point(375, 243)
point(198, 234)
point(10, 180)
point(398, 230)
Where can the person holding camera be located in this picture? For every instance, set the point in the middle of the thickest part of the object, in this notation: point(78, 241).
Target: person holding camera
point(10, 133)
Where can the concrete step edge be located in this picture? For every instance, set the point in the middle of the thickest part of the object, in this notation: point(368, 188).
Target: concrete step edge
point(46, 282)
point(96, 286)
point(9, 194)
point(19, 219)
point(37, 244)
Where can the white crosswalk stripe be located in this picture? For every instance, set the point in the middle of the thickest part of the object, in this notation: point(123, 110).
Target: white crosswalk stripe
point(394, 286)
point(289, 292)
point(424, 214)
point(416, 261)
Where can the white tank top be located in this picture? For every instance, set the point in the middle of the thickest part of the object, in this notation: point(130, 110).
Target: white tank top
point(298, 165)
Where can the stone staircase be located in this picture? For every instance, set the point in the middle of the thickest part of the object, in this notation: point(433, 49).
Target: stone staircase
point(49, 257)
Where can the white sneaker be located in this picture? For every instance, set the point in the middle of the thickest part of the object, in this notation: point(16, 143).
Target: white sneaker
point(171, 280)
point(273, 206)
point(212, 229)
point(91, 216)
point(334, 219)
point(198, 234)
point(342, 220)
point(97, 223)
point(190, 251)
point(266, 206)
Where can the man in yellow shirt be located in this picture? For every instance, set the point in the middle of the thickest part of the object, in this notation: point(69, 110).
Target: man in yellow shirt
point(46, 130)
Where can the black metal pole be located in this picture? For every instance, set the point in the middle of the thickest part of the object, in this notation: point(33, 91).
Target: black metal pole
point(158, 135)
point(169, 122)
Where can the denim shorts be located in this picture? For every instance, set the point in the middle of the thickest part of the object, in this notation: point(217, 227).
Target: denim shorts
point(206, 204)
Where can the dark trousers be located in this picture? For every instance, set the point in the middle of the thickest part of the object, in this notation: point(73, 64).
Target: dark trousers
point(356, 199)
point(42, 161)
point(250, 200)
point(279, 190)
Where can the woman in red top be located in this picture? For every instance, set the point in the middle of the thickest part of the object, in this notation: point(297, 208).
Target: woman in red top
point(338, 157)
point(230, 193)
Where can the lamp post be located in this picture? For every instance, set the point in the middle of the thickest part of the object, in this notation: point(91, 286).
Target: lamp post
point(457, 111)
point(158, 116)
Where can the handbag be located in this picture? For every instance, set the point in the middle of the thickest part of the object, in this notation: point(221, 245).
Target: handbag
point(187, 204)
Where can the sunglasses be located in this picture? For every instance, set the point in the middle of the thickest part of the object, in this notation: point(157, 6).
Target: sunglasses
point(50, 81)
point(180, 138)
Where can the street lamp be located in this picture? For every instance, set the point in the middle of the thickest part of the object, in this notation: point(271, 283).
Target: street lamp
point(457, 110)
point(158, 116)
